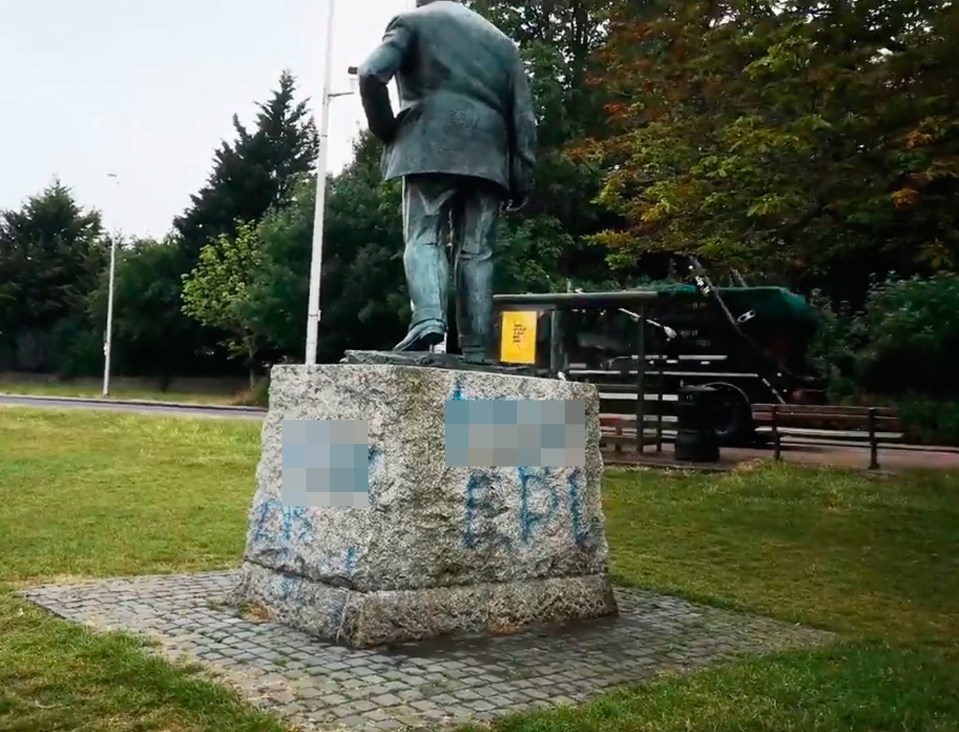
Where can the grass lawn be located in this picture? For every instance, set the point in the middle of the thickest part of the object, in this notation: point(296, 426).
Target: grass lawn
point(67, 389)
point(876, 559)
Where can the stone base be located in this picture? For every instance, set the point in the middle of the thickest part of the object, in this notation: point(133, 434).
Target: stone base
point(435, 549)
point(440, 361)
point(372, 619)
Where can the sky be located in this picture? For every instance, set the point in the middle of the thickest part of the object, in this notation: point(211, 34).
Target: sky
point(147, 89)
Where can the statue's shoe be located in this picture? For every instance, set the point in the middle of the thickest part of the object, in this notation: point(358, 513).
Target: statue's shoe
point(422, 338)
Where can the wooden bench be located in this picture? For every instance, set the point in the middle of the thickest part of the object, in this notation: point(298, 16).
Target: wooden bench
point(617, 430)
point(613, 431)
point(865, 422)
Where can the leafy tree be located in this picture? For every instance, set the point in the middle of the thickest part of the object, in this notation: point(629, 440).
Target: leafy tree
point(792, 139)
point(558, 39)
point(219, 291)
point(151, 334)
point(362, 288)
point(51, 255)
point(252, 174)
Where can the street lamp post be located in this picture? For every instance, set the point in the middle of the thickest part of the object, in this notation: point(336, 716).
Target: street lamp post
point(108, 339)
point(319, 213)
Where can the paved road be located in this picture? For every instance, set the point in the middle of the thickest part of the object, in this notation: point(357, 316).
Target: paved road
point(143, 407)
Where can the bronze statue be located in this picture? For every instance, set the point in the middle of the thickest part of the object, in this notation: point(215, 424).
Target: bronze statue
point(464, 143)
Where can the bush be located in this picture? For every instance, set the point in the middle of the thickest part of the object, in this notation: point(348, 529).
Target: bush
point(912, 337)
point(77, 350)
point(930, 421)
point(905, 341)
point(833, 353)
point(901, 350)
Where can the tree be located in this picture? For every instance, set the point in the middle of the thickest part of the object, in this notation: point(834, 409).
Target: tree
point(792, 140)
point(363, 289)
point(558, 40)
point(219, 291)
point(151, 334)
point(253, 174)
point(52, 253)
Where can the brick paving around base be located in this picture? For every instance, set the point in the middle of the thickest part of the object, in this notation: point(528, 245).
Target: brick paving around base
point(315, 685)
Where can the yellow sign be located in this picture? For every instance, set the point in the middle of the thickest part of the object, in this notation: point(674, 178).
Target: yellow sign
point(518, 338)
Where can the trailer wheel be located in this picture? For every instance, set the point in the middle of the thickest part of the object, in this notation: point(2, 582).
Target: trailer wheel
point(733, 416)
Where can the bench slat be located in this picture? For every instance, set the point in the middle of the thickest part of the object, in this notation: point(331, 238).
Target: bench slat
point(820, 410)
point(796, 420)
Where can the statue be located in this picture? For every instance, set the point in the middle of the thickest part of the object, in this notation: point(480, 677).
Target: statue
point(464, 144)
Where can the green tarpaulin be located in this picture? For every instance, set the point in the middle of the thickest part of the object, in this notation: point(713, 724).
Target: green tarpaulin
point(770, 303)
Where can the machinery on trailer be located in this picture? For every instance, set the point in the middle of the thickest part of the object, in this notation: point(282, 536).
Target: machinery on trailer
point(747, 343)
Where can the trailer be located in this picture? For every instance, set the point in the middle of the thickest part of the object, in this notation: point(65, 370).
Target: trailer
point(642, 346)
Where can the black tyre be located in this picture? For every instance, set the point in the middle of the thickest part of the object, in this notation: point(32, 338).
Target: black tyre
point(733, 417)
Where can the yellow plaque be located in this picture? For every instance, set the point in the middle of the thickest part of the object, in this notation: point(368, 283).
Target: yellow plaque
point(518, 338)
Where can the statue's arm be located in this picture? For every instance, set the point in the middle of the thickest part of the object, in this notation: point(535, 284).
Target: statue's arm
point(523, 137)
point(376, 73)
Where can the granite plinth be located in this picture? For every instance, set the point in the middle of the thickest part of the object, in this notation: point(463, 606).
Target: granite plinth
point(439, 551)
point(439, 361)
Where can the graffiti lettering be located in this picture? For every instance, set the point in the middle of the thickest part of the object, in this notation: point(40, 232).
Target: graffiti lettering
point(539, 502)
point(481, 508)
point(576, 483)
point(294, 518)
point(286, 589)
point(530, 519)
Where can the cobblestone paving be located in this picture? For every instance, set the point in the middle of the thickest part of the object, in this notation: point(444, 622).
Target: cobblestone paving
point(319, 686)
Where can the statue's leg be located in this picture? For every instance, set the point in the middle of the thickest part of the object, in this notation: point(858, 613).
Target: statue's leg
point(427, 200)
point(474, 232)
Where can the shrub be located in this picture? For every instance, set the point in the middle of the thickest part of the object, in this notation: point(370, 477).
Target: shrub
point(911, 330)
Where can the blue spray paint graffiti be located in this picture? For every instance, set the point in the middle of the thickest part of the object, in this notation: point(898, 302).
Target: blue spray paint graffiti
point(374, 461)
point(479, 508)
point(349, 563)
point(529, 519)
point(342, 564)
point(534, 483)
point(374, 458)
point(296, 529)
point(286, 589)
point(473, 504)
point(576, 483)
point(294, 517)
point(336, 568)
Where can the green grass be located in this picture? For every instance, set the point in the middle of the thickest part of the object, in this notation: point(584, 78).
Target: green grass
point(96, 495)
point(850, 687)
point(872, 558)
point(864, 555)
point(67, 389)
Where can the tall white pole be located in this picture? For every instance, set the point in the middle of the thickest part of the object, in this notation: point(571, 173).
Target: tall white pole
point(108, 340)
point(316, 267)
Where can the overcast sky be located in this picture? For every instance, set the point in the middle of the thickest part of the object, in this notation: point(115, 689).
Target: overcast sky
point(146, 89)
